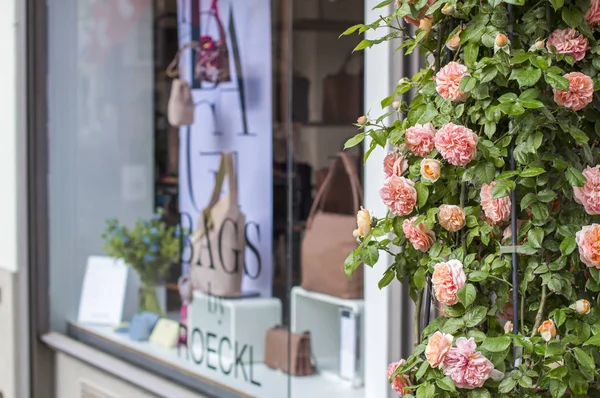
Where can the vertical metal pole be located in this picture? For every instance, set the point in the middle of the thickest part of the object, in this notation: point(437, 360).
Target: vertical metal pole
point(513, 218)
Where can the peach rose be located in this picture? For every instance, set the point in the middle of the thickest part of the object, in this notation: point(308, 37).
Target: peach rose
point(508, 327)
point(400, 382)
point(431, 169)
point(422, 13)
point(362, 120)
point(496, 210)
point(547, 330)
point(363, 220)
point(589, 194)
point(457, 144)
point(451, 217)
point(418, 235)
point(467, 367)
point(399, 195)
point(394, 164)
point(582, 307)
point(448, 79)
point(588, 241)
point(419, 139)
point(592, 16)
point(448, 278)
point(453, 43)
point(568, 41)
point(579, 94)
point(437, 347)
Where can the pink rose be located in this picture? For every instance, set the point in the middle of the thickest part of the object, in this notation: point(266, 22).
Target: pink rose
point(448, 79)
point(399, 195)
point(400, 381)
point(457, 144)
point(431, 169)
point(394, 164)
point(412, 21)
point(588, 241)
point(465, 366)
point(437, 347)
point(496, 210)
point(568, 41)
point(592, 16)
point(448, 278)
point(419, 139)
point(589, 194)
point(452, 218)
point(579, 94)
point(419, 235)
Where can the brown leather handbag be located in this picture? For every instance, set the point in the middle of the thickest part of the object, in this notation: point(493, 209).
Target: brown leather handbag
point(328, 238)
point(342, 96)
point(276, 351)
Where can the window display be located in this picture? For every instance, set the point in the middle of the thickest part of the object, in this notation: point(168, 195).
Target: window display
point(201, 209)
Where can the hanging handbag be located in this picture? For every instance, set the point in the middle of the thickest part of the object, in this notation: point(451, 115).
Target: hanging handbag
point(212, 57)
point(219, 239)
point(276, 351)
point(180, 109)
point(342, 96)
point(328, 239)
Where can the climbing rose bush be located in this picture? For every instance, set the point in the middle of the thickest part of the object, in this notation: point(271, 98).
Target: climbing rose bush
point(501, 125)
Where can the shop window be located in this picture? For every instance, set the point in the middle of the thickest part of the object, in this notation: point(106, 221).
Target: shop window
point(200, 210)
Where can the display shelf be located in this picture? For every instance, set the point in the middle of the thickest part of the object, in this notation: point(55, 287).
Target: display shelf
point(167, 363)
point(320, 315)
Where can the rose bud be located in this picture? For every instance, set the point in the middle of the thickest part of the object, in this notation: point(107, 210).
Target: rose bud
point(582, 307)
point(448, 9)
point(363, 220)
point(425, 25)
point(537, 46)
point(547, 330)
point(431, 169)
point(362, 120)
point(501, 40)
point(396, 105)
point(508, 327)
point(454, 42)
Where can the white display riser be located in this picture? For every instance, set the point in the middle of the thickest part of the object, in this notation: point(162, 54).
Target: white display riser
point(320, 315)
point(241, 322)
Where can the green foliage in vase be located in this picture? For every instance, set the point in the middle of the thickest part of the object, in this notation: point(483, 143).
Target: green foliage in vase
point(151, 247)
point(486, 91)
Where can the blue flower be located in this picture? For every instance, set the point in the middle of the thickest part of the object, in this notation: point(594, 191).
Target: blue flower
point(147, 223)
point(154, 231)
point(149, 257)
point(146, 240)
point(124, 239)
point(154, 248)
point(177, 232)
point(156, 216)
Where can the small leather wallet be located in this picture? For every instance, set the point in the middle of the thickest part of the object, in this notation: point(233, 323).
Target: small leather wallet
point(141, 326)
point(165, 333)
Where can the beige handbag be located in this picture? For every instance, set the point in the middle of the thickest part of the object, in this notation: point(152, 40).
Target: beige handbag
point(328, 240)
point(180, 109)
point(219, 239)
point(279, 342)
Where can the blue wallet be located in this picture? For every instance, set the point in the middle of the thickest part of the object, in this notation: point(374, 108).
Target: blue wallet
point(141, 326)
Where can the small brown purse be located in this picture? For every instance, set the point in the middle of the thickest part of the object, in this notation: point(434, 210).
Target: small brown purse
point(276, 352)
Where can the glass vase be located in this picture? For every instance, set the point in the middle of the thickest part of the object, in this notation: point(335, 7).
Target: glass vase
point(149, 298)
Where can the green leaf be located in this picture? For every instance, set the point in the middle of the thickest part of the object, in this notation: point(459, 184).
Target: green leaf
point(446, 384)
point(502, 188)
point(419, 278)
point(586, 362)
point(528, 200)
point(467, 84)
point(388, 277)
point(351, 263)
point(557, 4)
point(579, 135)
point(526, 76)
point(452, 325)
point(572, 16)
point(535, 237)
point(479, 393)
point(422, 194)
point(578, 383)
point(422, 369)
point(507, 174)
point(474, 316)
point(363, 44)
point(557, 82)
point(568, 245)
point(531, 104)
point(507, 385)
point(370, 254)
point(430, 113)
point(532, 172)
point(594, 340)
point(557, 388)
point(496, 344)
point(554, 348)
point(352, 29)
point(575, 177)
point(478, 276)
point(470, 54)
point(383, 4)
point(546, 195)
point(357, 139)
point(540, 211)
point(467, 295)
